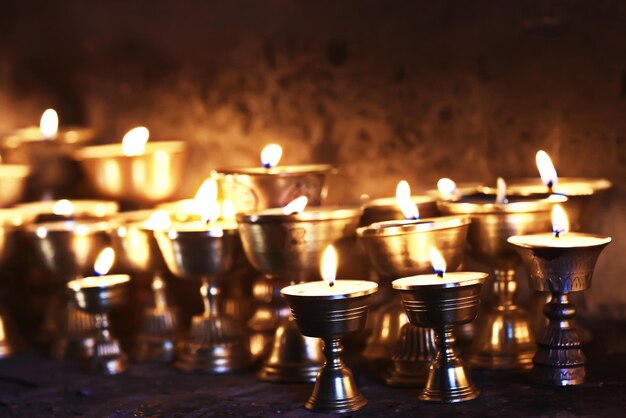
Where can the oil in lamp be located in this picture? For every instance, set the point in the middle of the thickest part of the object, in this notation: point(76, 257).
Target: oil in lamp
point(559, 263)
point(402, 248)
point(97, 295)
point(285, 244)
point(47, 150)
point(441, 301)
point(504, 332)
point(132, 237)
point(331, 309)
point(205, 250)
point(136, 171)
point(68, 249)
point(273, 186)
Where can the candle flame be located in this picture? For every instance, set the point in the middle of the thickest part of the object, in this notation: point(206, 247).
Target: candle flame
point(438, 262)
point(501, 191)
point(328, 268)
point(546, 169)
point(403, 199)
point(49, 123)
point(158, 221)
point(229, 211)
point(63, 207)
point(134, 142)
point(205, 201)
point(446, 187)
point(270, 156)
point(560, 223)
point(104, 262)
point(297, 205)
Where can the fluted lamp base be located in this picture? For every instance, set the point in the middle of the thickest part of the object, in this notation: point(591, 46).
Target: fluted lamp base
point(107, 358)
point(157, 340)
point(414, 352)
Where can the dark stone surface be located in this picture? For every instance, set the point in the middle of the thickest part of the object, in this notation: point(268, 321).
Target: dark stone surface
point(33, 386)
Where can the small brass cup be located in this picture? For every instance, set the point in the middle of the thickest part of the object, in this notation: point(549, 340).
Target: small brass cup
point(330, 318)
point(97, 296)
point(441, 306)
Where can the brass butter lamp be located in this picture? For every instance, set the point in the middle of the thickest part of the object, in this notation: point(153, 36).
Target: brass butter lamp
point(504, 331)
point(286, 245)
point(98, 295)
point(559, 264)
point(329, 310)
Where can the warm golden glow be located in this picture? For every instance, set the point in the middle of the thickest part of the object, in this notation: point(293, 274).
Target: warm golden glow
point(159, 221)
point(560, 222)
point(104, 262)
point(205, 201)
point(403, 199)
point(63, 207)
point(134, 142)
point(446, 187)
point(546, 169)
point(297, 205)
point(438, 262)
point(49, 124)
point(157, 283)
point(328, 268)
point(270, 156)
point(229, 211)
point(500, 191)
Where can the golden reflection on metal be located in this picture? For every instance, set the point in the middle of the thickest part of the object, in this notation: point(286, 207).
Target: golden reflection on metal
point(10, 219)
point(12, 182)
point(559, 360)
point(217, 343)
point(491, 225)
point(331, 319)
point(98, 296)
point(441, 307)
point(287, 249)
point(402, 248)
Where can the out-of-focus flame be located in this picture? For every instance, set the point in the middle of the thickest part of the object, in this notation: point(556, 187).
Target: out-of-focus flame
point(104, 262)
point(158, 221)
point(49, 124)
point(328, 267)
point(560, 222)
point(438, 262)
point(63, 207)
point(229, 211)
point(205, 201)
point(446, 187)
point(297, 205)
point(134, 142)
point(270, 156)
point(501, 191)
point(546, 169)
point(403, 199)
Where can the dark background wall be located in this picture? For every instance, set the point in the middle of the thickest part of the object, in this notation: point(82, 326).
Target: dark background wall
point(384, 89)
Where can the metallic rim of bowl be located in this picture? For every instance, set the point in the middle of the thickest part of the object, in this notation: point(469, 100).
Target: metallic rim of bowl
point(406, 226)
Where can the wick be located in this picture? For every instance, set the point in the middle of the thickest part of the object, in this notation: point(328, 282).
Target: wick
point(331, 284)
point(266, 165)
point(550, 185)
point(557, 233)
point(439, 273)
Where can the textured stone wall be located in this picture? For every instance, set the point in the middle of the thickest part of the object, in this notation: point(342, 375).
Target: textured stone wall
point(384, 89)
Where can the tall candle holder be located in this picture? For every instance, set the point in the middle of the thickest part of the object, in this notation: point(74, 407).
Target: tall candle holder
point(68, 249)
point(138, 253)
point(559, 266)
point(286, 249)
point(97, 296)
point(330, 315)
point(504, 331)
point(217, 343)
point(441, 302)
point(402, 248)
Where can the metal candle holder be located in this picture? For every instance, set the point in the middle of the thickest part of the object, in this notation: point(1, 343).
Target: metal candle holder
point(559, 360)
point(504, 335)
point(330, 318)
point(287, 249)
point(152, 177)
point(398, 249)
point(12, 182)
point(257, 188)
point(69, 249)
point(441, 306)
point(138, 252)
point(97, 296)
point(217, 342)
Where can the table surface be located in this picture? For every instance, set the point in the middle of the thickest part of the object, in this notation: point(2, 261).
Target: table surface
point(32, 385)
